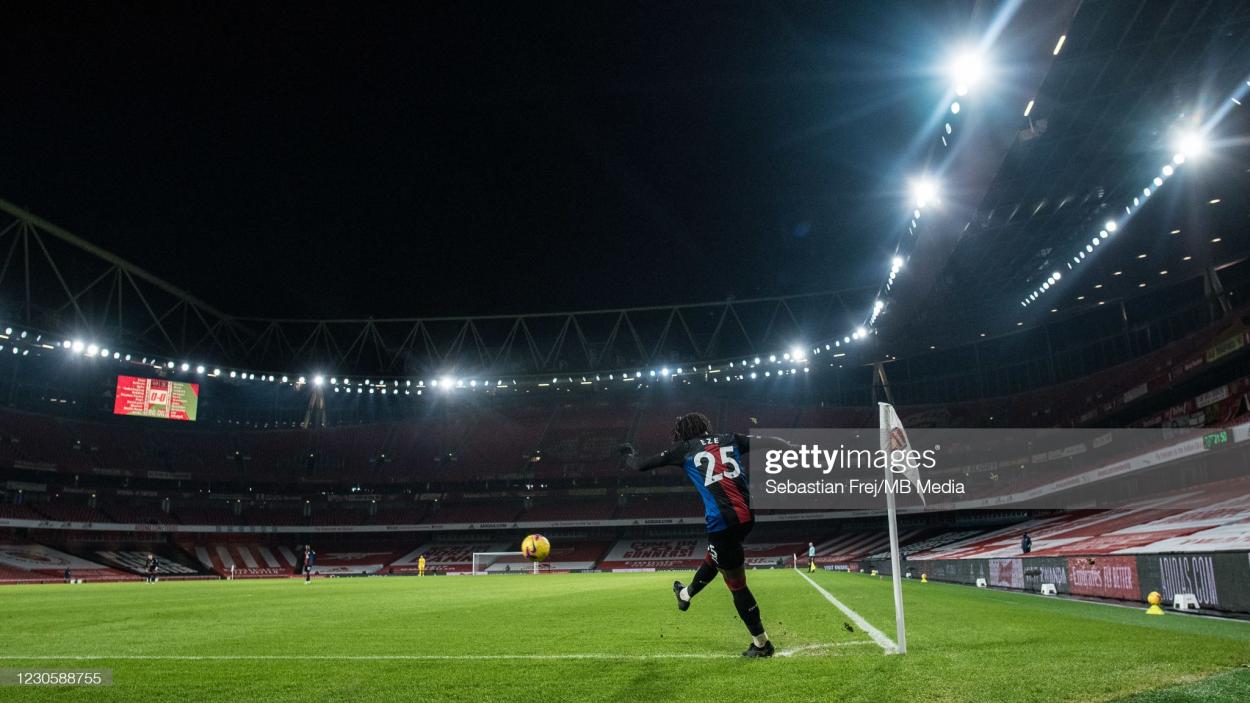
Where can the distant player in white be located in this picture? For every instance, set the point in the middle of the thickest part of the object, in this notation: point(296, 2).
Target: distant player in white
point(811, 558)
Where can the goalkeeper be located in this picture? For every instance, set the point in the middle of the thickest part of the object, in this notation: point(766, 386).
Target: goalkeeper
point(714, 464)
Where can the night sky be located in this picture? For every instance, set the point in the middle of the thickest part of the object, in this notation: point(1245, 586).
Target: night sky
point(314, 161)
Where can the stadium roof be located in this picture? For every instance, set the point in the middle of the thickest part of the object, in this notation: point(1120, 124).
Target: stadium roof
point(1109, 89)
point(1128, 82)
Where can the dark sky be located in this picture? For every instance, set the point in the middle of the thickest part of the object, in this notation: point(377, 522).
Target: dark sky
point(313, 160)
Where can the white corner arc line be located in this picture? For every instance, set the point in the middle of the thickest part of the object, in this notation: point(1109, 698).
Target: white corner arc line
point(820, 646)
point(877, 636)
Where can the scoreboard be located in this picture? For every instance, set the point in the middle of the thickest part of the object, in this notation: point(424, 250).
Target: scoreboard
point(156, 397)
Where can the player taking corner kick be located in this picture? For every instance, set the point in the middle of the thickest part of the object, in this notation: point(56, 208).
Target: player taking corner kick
point(715, 465)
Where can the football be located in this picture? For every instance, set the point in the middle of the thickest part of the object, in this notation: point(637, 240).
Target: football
point(535, 548)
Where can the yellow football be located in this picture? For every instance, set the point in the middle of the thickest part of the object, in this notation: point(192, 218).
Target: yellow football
point(536, 548)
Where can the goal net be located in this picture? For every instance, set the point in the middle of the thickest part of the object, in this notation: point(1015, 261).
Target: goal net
point(502, 563)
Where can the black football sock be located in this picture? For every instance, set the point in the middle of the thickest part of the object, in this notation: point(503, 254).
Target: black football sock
point(749, 611)
point(702, 577)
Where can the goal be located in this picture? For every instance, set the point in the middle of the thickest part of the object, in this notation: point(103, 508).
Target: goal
point(505, 562)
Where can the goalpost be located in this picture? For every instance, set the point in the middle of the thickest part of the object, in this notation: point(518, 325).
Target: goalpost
point(488, 558)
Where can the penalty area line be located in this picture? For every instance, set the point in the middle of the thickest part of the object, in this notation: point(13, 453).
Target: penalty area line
point(885, 643)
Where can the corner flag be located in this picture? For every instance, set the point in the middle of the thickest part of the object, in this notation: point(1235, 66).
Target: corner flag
point(895, 439)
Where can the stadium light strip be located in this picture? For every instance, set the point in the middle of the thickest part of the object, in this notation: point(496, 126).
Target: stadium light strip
point(1192, 144)
point(779, 366)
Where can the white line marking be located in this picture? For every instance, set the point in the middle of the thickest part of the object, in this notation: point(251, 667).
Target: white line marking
point(819, 646)
point(602, 656)
point(877, 636)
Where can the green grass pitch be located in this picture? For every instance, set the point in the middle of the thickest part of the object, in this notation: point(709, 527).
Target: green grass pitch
point(603, 637)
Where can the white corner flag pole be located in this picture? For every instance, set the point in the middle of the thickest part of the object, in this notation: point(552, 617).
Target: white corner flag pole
point(892, 515)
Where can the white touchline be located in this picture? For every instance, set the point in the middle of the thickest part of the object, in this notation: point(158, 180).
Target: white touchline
point(877, 636)
point(604, 656)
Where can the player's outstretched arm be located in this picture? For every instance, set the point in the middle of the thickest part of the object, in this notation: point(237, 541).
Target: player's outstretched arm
point(748, 442)
point(671, 457)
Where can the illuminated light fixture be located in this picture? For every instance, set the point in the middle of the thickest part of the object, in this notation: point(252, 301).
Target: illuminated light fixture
point(1168, 170)
point(1217, 240)
point(1213, 201)
point(67, 344)
point(92, 350)
point(78, 345)
point(1104, 234)
point(216, 372)
point(861, 332)
point(284, 379)
point(185, 366)
point(924, 190)
point(1111, 226)
point(1059, 45)
point(1141, 256)
point(234, 374)
point(897, 263)
point(1176, 231)
point(317, 380)
point(1116, 273)
point(955, 107)
point(1028, 108)
point(1158, 181)
point(1191, 144)
point(967, 69)
point(104, 353)
point(199, 369)
point(1178, 159)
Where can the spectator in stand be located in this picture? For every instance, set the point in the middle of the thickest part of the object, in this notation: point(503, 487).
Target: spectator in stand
point(1026, 543)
